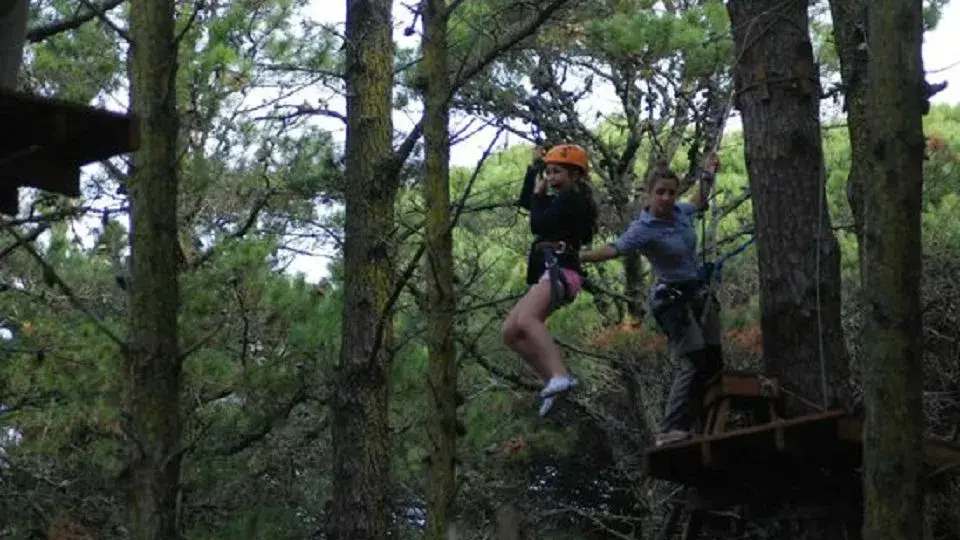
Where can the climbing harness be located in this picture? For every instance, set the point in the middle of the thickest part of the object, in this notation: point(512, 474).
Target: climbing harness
point(676, 305)
point(558, 282)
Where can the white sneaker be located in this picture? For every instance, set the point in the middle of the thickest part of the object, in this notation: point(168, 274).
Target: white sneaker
point(670, 437)
point(558, 385)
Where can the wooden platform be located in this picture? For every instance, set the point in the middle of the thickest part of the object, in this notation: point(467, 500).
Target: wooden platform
point(772, 452)
point(791, 446)
point(770, 465)
point(44, 142)
point(781, 451)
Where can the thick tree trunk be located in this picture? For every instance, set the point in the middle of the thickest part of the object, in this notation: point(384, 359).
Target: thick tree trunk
point(798, 255)
point(849, 35)
point(439, 270)
point(360, 427)
point(893, 375)
point(13, 35)
point(152, 367)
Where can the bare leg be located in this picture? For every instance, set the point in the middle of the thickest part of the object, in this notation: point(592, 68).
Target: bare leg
point(512, 336)
point(525, 331)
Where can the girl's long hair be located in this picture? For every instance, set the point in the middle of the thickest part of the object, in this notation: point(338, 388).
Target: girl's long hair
point(593, 210)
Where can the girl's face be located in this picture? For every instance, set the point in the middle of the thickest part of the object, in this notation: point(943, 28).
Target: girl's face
point(663, 195)
point(559, 177)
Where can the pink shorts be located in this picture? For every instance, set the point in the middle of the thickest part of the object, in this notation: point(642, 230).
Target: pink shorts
point(574, 281)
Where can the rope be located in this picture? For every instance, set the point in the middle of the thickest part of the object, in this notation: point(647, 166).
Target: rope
point(703, 215)
point(715, 270)
point(823, 362)
point(716, 145)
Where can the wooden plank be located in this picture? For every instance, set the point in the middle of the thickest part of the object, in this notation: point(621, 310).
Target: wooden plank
point(76, 133)
point(741, 385)
point(756, 450)
point(45, 142)
point(42, 171)
point(752, 461)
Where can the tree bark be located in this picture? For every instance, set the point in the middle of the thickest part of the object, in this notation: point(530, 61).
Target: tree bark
point(439, 270)
point(360, 423)
point(849, 35)
point(798, 255)
point(152, 363)
point(892, 369)
point(13, 35)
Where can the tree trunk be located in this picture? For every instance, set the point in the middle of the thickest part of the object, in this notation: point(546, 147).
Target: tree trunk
point(152, 364)
point(360, 424)
point(849, 35)
point(893, 375)
point(439, 270)
point(13, 35)
point(798, 256)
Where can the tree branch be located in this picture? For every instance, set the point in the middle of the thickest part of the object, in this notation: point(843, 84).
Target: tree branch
point(247, 225)
point(51, 274)
point(102, 15)
point(46, 31)
point(25, 240)
point(407, 273)
point(466, 71)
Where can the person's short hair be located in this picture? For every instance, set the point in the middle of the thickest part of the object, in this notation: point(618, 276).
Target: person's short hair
point(661, 171)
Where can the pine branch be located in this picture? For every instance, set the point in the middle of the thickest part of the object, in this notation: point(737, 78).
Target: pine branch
point(51, 274)
point(93, 11)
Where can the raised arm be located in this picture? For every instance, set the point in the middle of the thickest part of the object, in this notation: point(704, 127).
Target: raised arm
point(530, 180)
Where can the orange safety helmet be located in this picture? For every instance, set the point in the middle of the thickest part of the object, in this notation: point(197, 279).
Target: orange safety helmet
point(567, 154)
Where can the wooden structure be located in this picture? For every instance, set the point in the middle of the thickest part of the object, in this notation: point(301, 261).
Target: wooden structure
point(45, 142)
point(750, 464)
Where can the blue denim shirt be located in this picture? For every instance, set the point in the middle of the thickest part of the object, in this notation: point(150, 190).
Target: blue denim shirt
point(670, 246)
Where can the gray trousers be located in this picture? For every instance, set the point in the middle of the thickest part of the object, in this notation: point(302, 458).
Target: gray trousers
point(697, 349)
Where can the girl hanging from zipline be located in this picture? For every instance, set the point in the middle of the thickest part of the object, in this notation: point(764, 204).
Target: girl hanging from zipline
point(664, 233)
point(561, 223)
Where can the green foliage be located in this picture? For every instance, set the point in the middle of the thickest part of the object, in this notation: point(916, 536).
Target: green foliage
point(699, 34)
point(76, 66)
point(263, 181)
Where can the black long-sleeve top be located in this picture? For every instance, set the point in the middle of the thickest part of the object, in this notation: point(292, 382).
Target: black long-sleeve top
point(562, 217)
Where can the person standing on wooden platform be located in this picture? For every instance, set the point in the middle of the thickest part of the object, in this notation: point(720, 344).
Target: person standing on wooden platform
point(664, 233)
